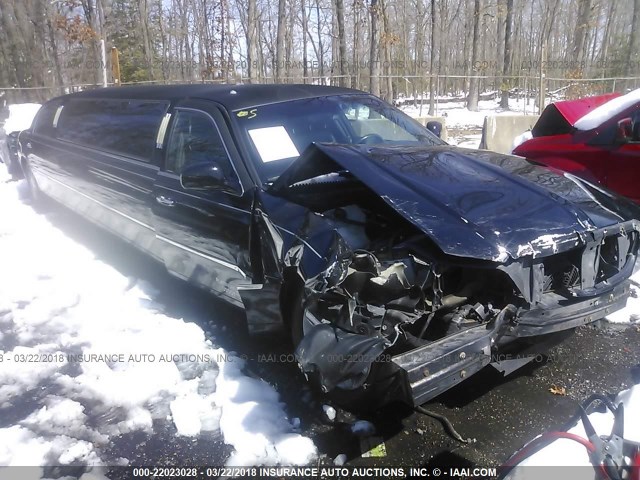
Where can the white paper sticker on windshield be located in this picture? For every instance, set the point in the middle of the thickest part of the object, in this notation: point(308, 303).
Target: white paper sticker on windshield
point(273, 143)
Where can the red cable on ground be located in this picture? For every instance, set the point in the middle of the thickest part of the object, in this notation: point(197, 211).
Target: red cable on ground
point(547, 437)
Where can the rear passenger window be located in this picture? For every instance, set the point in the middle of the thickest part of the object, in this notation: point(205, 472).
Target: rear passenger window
point(43, 124)
point(195, 139)
point(128, 127)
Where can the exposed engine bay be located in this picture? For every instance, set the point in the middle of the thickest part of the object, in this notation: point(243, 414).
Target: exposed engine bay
point(423, 277)
point(393, 291)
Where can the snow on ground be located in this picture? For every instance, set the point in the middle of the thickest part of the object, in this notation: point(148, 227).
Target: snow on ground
point(613, 107)
point(520, 139)
point(20, 116)
point(86, 354)
point(458, 116)
point(465, 127)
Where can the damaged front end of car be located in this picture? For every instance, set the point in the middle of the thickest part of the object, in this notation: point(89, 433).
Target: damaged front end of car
point(393, 313)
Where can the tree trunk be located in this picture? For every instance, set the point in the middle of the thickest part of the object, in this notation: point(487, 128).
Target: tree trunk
point(342, 42)
point(282, 4)
point(418, 53)
point(320, 44)
point(632, 52)
point(500, 25)
point(305, 35)
point(472, 99)
point(54, 49)
point(432, 63)
point(607, 32)
point(374, 48)
point(252, 41)
point(355, 79)
point(580, 32)
point(504, 101)
point(146, 37)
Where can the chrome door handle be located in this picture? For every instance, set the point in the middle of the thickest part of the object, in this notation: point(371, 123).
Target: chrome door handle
point(167, 202)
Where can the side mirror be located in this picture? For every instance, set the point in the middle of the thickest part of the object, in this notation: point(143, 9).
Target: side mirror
point(635, 131)
point(624, 133)
point(205, 176)
point(435, 127)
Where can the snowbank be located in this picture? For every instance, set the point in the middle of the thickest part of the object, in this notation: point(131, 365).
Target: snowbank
point(604, 112)
point(20, 116)
point(88, 355)
point(520, 139)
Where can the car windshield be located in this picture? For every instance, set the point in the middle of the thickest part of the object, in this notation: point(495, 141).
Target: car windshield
point(277, 134)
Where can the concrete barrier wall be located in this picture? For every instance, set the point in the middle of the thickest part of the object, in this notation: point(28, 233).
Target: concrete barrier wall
point(499, 131)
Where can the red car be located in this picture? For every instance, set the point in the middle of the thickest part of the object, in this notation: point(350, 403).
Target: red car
point(596, 138)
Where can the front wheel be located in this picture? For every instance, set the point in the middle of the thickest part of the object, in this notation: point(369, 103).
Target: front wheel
point(378, 389)
point(36, 197)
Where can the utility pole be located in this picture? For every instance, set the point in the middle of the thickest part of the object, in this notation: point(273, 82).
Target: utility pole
point(103, 55)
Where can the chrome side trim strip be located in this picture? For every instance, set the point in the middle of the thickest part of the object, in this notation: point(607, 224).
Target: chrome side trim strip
point(163, 130)
point(195, 252)
point(56, 117)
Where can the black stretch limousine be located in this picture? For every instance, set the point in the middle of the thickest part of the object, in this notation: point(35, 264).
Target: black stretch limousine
point(398, 265)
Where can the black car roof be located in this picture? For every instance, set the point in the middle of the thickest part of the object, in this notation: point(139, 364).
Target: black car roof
point(245, 96)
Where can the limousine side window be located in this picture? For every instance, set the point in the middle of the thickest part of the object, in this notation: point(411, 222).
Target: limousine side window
point(128, 127)
point(195, 139)
point(43, 124)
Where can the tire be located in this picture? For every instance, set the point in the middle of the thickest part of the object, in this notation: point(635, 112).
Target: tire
point(36, 197)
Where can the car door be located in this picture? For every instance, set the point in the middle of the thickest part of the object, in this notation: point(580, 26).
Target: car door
point(203, 234)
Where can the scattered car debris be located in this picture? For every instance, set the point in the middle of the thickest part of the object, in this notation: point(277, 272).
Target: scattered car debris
point(340, 460)
point(329, 412)
point(373, 447)
point(295, 423)
point(556, 390)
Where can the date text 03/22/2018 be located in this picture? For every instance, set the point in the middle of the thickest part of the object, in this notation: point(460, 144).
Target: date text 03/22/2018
point(313, 472)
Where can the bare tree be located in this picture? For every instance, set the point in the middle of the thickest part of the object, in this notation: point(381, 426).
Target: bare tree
point(472, 99)
point(374, 49)
point(504, 100)
point(252, 41)
point(632, 50)
point(432, 63)
point(342, 42)
point(581, 29)
point(282, 4)
point(305, 35)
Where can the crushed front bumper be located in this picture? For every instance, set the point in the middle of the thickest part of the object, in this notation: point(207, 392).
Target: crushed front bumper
point(430, 370)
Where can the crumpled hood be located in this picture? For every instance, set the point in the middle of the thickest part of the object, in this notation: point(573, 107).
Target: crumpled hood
point(472, 203)
point(559, 117)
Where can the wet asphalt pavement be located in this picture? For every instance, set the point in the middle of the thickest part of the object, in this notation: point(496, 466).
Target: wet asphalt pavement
point(501, 413)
